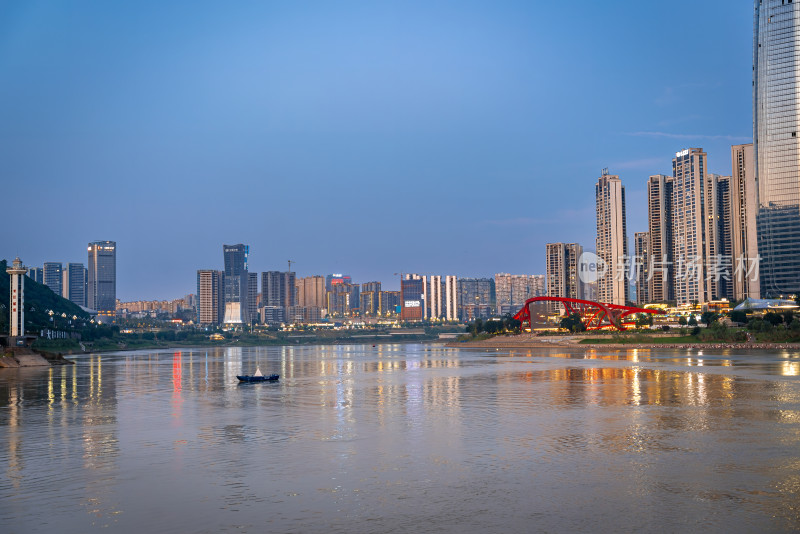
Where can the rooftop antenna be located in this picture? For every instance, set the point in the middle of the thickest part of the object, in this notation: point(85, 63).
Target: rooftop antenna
point(605, 172)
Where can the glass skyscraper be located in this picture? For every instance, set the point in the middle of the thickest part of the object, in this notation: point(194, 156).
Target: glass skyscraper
point(235, 282)
point(102, 277)
point(776, 125)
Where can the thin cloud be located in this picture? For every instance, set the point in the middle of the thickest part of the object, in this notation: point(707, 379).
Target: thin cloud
point(684, 137)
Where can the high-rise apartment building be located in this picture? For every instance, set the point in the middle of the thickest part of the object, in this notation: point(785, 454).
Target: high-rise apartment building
point(744, 205)
point(693, 207)
point(612, 239)
point(512, 291)
point(278, 289)
point(252, 297)
point(562, 271)
point(641, 250)
point(53, 276)
point(776, 137)
point(370, 298)
point(102, 278)
point(310, 292)
point(74, 282)
point(718, 245)
point(210, 298)
point(476, 298)
point(235, 282)
point(661, 272)
point(450, 298)
point(335, 279)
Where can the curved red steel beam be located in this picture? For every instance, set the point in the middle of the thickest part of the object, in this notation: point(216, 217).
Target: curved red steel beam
point(595, 312)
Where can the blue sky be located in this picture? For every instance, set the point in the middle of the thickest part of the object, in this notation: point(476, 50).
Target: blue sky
point(446, 137)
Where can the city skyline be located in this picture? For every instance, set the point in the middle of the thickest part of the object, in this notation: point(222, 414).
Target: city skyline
point(447, 100)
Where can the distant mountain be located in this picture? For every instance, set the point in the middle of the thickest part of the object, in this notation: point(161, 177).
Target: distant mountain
point(38, 300)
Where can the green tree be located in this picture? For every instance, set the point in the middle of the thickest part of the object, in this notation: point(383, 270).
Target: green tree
point(692, 321)
point(738, 316)
point(773, 318)
point(682, 320)
point(573, 323)
point(708, 317)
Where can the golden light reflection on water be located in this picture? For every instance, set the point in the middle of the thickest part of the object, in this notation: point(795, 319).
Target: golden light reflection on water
point(617, 402)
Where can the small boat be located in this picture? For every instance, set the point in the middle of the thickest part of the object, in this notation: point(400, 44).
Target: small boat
point(258, 377)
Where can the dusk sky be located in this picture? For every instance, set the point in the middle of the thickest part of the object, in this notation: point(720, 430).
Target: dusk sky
point(370, 138)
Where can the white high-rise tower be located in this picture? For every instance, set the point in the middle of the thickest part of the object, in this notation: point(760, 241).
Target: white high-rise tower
point(17, 272)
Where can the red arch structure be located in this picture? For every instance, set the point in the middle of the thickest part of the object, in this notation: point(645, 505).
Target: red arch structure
point(595, 315)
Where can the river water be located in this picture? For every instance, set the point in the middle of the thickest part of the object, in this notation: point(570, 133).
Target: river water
point(403, 438)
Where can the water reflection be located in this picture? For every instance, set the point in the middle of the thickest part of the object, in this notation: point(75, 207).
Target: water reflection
point(361, 438)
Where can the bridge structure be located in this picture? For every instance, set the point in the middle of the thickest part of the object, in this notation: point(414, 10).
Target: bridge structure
point(594, 315)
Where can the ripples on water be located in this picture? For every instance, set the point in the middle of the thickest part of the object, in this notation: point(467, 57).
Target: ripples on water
point(403, 438)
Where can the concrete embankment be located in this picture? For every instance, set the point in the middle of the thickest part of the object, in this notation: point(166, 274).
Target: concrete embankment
point(23, 357)
point(527, 341)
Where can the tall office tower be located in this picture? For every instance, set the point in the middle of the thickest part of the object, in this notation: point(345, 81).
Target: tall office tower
point(36, 274)
point(236, 278)
point(718, 246)
point(661, 287)
point(278, 289)
point(74, 282)
point(744, 245)
point(52, 277)
point(562, 271)
point(776, 136)
point(690, 210)
point(310, 292)
point(451, 298)
point(641, 249)
point(102, 288)
point(412, 297)
point(252, 297)
point(476, 297)
point(612, 239)
point(335, 279)
point(210, 297)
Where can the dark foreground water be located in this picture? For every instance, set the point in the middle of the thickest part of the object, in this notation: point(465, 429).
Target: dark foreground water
point(403, 438)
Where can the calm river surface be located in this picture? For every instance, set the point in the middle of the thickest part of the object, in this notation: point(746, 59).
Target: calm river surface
point(403, 438)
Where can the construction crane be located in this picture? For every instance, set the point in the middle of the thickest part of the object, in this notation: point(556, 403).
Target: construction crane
point(290, 265)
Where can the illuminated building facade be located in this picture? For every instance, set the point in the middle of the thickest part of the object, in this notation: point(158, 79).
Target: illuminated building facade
point(776, 136)
point(412, 299)
point(311, 291)
point(562, 271)
point(16, 308)
point(235, 283)
point(210, 298)
point(612, 239)
point(102, 278)
point(744, 236)
point(661, 287)
point(641, 249)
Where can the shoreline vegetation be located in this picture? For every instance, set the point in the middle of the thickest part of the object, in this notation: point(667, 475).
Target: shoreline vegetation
point(121, 342)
